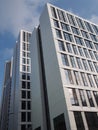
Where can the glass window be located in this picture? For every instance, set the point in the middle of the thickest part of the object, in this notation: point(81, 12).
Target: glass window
point(79, 41)
point(75, 30)
point(77, 78)
point(80, 23)
point(23, 127)
point(24, 37)
point(86, 53)
point(29, 116)
point(79, 63)
point(56, 23)
point(96, 96)
point(75, 49)
point(95, 29)
point(92, 120)
point(91, 54)
point(61, 45)
point(24, 46)
point(79, 120)
point(85, 34)
point(90, 98)
point(24, 54)
point(23, 116)
point(81, 51)
point(69, 78)
point(53, 12)
point(28, 94)
point(89, 44)
point(23, 68)
point(84, 79)
point(28, 54)
point(85, 64)
point(61, 15)
point(23, 84)
point(23, 105)
point(68, 37)
point(28, 68)
point(94, 38)
point(88, 26)
point(28, 85)
point(23, 76)
point(96, 80)
point(29, 105)
point(82, 96)
point(69, 49)
point(65, 27)
point(58, 33)
point(71, 19)
point(23, 94)
point(28, 47)
point(73, 63)
point(73, 97)
point(90, 80)
point(64, 59)
point(23, 60)
point(96, 55)
point(96, 66)
point(91, 66)
point(96, 46)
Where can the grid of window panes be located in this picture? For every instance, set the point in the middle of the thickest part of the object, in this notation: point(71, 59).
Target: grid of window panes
point(77, 44)
point(25, 104)
point(26, 61)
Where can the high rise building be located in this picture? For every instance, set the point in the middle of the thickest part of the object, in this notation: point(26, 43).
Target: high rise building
point(4, 118)
point(19, 109)
point(64, 56)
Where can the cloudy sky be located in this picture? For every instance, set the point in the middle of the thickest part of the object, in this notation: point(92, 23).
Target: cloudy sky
point(24, 14)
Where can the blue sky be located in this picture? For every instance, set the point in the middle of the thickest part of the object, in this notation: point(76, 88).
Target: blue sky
point(24, 14)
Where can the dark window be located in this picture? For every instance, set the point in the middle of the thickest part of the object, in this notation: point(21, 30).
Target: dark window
point(90, 80)
point(59, 122)
point(85, 64)
point(73, 63)
point(23, 84)
point(92, 120)
point(89, 44)
point(23, 105)
point(28, 105)
point(82, 96)
point(81, 51)
point(39, 128)
point(28, 77)
point(23, 76)
point(91, 66)
point(24, 36)
point(95, 29)
point(86, 53)
point(79, 120)
point(96, 96)
point(79, 41)
point(80, 66)
point(77, 78)
point(75, 49)
point(90, 98)
point(96, 66)
point(29, 127)
point(23, 116)
point(28, 116)
point(23, 127)
point(94, 38)
point(69, 49)
point(23, 94)
point(96, 80)
point(85, 34)
point(28, 94)
point(73, 97)
point(28, 85)
point(84, 79)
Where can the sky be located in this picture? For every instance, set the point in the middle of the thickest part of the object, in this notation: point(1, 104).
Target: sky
point(24, 14)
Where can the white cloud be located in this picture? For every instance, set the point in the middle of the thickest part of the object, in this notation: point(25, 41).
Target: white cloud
point(94, 19)
point(19, 14)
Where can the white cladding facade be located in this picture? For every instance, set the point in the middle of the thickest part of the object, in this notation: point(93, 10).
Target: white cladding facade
point(65, 84)
point(20, 102)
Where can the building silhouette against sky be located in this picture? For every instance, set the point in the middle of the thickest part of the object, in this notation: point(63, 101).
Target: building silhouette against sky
point(55, 81)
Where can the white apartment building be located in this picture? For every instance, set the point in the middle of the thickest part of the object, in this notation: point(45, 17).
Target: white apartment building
point(64, 56)
point(20, 100)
